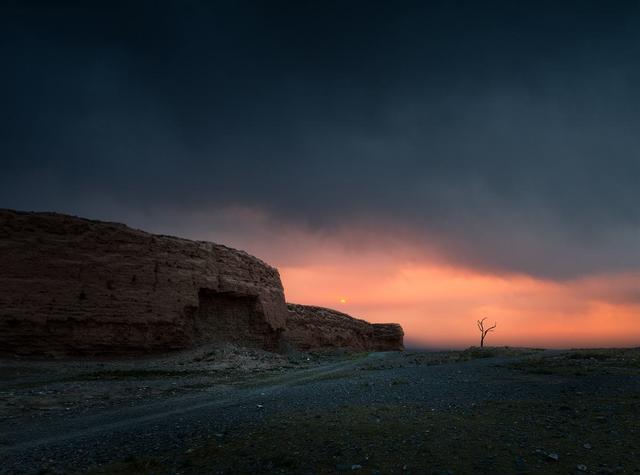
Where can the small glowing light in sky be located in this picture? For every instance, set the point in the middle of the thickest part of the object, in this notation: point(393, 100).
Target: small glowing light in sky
point(343, 300)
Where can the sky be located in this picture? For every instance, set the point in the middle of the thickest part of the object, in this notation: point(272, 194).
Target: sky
point(427, 163)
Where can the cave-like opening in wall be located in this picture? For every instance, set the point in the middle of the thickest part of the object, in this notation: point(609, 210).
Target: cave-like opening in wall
point(235, 318)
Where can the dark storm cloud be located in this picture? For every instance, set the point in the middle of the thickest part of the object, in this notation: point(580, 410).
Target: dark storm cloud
point(507, 133)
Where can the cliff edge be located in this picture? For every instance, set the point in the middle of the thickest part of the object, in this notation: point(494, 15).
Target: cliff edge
point(70, 285)
point(316, 328)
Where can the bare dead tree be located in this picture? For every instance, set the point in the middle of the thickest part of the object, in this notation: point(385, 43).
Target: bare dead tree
point(484, 331)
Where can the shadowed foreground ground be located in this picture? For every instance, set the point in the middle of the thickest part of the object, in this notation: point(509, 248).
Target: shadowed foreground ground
point(492, 411)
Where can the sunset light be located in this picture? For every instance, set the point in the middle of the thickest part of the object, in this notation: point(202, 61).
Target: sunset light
point(316, 237)
point(438, 306)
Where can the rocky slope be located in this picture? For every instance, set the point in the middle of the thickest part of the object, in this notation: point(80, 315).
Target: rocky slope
point(314, 328)
point(71, 285)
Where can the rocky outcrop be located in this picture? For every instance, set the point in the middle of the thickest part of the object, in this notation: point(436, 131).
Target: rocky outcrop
point(315, 328)
point(71, 285)
point(75, 286)
point(388, 337)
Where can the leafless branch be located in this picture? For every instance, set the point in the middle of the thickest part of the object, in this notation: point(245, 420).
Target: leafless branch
point(483, 331)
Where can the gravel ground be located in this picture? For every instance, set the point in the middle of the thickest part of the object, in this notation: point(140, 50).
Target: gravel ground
point(56, 419)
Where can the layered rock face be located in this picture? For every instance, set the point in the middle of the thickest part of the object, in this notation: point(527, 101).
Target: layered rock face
point(71, 285)
point(315, 328)
point(74, 286)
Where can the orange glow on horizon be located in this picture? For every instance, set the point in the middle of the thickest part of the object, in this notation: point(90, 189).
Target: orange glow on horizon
point(439, 305)
point(395, 277)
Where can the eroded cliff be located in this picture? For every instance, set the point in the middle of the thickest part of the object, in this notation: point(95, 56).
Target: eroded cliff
point(70, 285)
point(316, 328)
